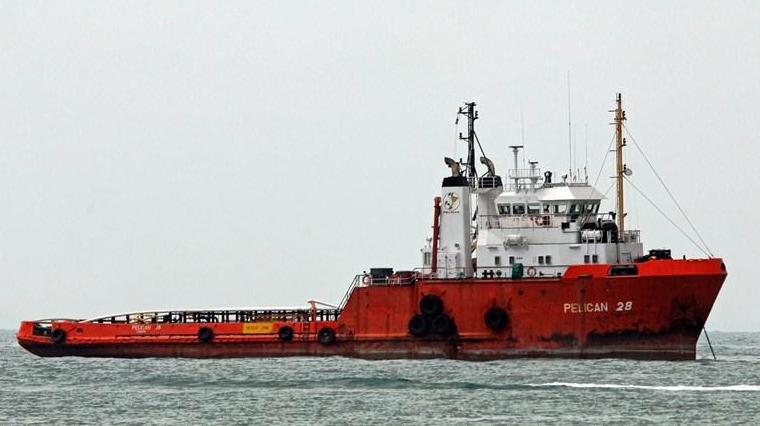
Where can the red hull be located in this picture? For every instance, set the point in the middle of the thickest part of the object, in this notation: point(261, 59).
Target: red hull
point(656, 314)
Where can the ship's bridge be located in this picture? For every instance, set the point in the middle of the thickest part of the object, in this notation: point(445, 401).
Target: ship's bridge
point(548, 226)
point(549, 203)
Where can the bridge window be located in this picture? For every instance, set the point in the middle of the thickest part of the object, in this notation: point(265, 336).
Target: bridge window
point(504, 209)
point(548, 259)
point(540, 260)
point(595, 258)
point(518, 209)
point(560, 209)
point(592, 208)
point(534, 208)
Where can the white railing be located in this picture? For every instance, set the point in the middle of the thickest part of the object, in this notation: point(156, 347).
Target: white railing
point(631, 236)
point(521, 221)
point(524, 173)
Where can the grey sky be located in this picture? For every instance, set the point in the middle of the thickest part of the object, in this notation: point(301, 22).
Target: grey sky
point(207, 154)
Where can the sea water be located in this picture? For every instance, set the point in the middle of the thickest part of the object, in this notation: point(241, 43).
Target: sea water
point(348, 391)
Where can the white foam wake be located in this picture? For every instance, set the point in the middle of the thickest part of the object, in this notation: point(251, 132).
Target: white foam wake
point(677, 388)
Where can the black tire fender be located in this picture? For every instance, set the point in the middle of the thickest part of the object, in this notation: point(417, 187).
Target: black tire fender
point(58, 336)
point(496, 318)
point(205, 334)
point(431, 305)
point(443, 325)
point(419, 326)
point(326, 336)
point(285, 333)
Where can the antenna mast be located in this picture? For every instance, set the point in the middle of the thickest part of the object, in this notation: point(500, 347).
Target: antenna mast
point(620, 168)
point(585, 163)
point(472, 115)
point(522, 136)
point(569, 129)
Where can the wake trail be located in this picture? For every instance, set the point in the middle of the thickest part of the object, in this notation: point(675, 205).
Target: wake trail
point(676, 388)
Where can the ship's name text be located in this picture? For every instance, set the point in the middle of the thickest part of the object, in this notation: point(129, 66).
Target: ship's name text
point(579, 308)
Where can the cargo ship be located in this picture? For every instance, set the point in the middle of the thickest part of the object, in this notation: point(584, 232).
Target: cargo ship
point(525, 266)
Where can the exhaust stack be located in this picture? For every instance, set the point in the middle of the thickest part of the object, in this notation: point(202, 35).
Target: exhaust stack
point(454, 259)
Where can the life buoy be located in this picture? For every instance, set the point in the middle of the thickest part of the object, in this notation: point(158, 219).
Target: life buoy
point(531, 271)
point(443, 325)
point(58, 336)
point(285, 333)
point(366, 280)
point(326, 336)
point(431, 305)
point(496, 318)
point(418, 326)
point(205, 334)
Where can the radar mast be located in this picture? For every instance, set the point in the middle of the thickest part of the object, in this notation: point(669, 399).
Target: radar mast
point(620, 169)
point(469, 111)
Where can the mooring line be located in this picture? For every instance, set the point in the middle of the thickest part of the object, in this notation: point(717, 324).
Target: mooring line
point(709, 343)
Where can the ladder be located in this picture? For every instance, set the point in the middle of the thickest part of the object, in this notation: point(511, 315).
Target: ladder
point(305, 331)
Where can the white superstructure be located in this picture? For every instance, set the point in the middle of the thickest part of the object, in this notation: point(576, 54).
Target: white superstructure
point(548, 226)
point(534, 222)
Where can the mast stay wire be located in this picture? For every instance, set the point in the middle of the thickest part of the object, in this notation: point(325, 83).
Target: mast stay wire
point(479, 146)
point(670, 194)
point(666, 216)
point(601, 168)
point(608, 189)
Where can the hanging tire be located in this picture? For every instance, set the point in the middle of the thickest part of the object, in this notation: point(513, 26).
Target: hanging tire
point(443, 325)
point(58, 336)
point(326, 336)
point(496, 318)
point(418, 326)
point(285, 333)
point(205, 334)
point(431, 305)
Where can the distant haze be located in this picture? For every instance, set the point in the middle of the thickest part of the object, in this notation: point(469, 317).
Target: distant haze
point(212, 154)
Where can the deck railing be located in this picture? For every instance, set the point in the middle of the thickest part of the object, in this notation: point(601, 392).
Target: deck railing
point(213, 316)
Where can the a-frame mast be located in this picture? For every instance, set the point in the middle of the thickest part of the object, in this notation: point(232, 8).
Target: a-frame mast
point(620, 168)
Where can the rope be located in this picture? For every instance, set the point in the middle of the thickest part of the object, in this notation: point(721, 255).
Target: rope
point(709, 344)
point(670, 194)
point(666, 216)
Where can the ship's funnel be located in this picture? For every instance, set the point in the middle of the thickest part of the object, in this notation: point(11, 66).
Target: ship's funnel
point(454, 251)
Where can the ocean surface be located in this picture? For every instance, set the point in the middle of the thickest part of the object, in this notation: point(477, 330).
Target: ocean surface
point(346, 391)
